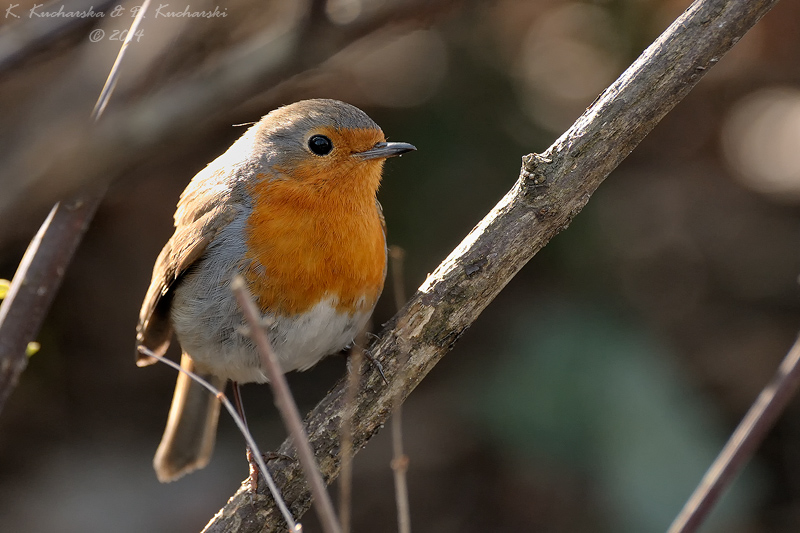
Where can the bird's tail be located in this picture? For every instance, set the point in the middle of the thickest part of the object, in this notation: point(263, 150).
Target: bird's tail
point(191, 427)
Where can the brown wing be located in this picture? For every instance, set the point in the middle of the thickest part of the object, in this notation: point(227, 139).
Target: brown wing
point(202, 212)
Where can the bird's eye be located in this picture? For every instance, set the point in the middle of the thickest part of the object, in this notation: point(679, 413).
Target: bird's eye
point(320, 145)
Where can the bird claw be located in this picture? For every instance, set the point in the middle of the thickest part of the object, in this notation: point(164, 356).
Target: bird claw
point(255, 470)
point(377, 364)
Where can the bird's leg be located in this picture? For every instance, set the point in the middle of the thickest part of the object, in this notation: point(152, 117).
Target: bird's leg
point(365, 335)
point(377, 364)
point(237, 401)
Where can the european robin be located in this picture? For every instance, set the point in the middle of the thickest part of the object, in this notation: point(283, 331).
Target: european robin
point(292, 208)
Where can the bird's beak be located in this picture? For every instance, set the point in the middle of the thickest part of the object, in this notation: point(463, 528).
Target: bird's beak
point(384, 150)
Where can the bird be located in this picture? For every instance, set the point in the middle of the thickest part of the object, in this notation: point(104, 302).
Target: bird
point(292, 208)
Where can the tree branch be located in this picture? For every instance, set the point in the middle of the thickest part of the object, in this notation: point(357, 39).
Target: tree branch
point(36, 282)
point(742, 444)
point(551, 190)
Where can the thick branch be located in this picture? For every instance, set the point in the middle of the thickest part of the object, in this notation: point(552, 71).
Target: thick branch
point(550, 191)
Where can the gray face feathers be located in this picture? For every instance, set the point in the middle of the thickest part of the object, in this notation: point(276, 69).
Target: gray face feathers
point(288, 126)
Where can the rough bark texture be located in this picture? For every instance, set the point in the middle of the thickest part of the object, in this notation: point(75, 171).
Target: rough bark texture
point(552, 188)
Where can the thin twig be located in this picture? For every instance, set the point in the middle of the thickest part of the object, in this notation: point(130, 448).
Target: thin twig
point(744, 442)
point(399, 458)
point(346, 477)
point(242, 425)
point(287, 407)
point(113, 76)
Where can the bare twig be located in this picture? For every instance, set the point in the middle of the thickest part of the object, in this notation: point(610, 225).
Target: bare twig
point(242, 425)
point(286, 406)
point(551, 190)
point(346, 479)
point(111, 81)
point(742, 444)
point(399, 458)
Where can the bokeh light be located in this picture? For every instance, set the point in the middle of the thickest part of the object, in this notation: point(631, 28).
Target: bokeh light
point(403, 71)
point(567, 58)
point(761, 142)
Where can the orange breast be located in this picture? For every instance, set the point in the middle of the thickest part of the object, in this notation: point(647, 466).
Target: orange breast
point(308, 242)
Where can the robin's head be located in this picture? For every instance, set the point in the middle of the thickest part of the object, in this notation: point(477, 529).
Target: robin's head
point(326, 143)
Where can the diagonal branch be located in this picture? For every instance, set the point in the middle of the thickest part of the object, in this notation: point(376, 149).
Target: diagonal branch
point(742, 444)
point(552, 188)
point(36, 282)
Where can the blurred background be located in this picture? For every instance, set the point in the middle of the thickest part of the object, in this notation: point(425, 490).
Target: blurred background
point(590, 396)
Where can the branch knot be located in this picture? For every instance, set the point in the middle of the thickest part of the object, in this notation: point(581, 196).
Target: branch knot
point(534, 185)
